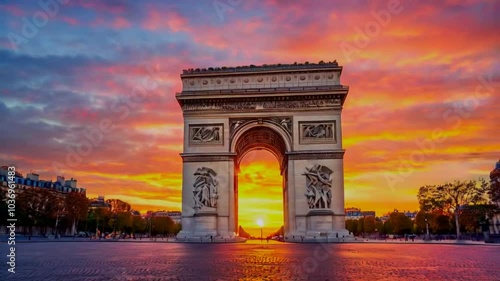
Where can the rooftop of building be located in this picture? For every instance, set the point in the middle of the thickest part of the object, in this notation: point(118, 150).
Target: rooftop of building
point(260, 68)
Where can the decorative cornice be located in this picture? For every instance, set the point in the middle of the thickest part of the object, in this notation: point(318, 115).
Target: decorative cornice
point(259, 68)
point(313, 155)
point(320, 212)
point(209, 157)
point(263, 104)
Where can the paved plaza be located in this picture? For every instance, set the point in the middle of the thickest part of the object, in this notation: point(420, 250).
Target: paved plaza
point(253, 261)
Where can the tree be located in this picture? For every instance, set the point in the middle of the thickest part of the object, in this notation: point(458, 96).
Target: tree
point(118, 206)
point(369, 224)
point(77, 206)
point(138, 224)
point(494, 189)
point(400, 223)
point(388, 227)
point(59, 210)
point(163, 225)
point(351, 226)
point(177, 228)
point(99, 218)
point(453, 197)
point(121, 218)
point(473, 215)
point(379, 226)
point(121, 221)
point(37, 207)
point(361, 224)
point(420, 221)
point(440, 223)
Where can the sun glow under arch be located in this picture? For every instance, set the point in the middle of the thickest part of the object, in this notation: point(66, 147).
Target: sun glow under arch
point(260, 195)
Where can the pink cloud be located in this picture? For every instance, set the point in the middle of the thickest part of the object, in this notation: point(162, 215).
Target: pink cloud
point(171, 20)
point(121, 22)
point(13, 10)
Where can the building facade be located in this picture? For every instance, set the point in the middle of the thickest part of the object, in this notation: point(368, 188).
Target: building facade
point(32, 181)
point(175, 216)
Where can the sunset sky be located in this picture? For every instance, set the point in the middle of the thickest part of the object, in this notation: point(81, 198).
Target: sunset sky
point(417, 70)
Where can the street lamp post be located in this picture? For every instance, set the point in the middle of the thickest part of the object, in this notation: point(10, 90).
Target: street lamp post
point(260, 222)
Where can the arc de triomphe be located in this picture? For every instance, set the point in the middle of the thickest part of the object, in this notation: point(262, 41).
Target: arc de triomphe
point(293, 111)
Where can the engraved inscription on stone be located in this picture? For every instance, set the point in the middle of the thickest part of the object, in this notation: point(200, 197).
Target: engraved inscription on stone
point(318, 187)
point(206, 134)
point(317, 132)
point(205, 189)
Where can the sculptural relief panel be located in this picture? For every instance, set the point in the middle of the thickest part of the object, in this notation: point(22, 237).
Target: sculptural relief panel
point(205, 193)
point(283, 122)
point(205, 134)
point(319, 187)
point(249, 104)
point(313, 132)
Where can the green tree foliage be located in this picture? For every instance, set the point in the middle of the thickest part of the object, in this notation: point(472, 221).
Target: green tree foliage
point(400, 223)
point(120, 217)
point(388, 227)
point(379, 227)
point(420, 223)
point(352, 226)
point(99, 219)
point(138, 224)
point(361, 224)
point(453, 197)
point(76, 208)
point(121, 221)
point(494, 188)
point(440, 224)
point(369, 224)
point(473, 215)
point(163, 225)
point(37, 207)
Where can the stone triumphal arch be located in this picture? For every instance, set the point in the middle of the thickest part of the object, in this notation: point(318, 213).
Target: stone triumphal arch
point(294, 112)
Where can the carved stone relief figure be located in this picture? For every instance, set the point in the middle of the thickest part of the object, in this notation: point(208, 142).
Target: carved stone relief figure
point(284, 122)
point(314, 132)
point(318, 187)
point(205, 134)
point(205, 188)
point(287, 124)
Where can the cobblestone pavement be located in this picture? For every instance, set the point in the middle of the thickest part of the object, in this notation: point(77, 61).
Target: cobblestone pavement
point(175, 261)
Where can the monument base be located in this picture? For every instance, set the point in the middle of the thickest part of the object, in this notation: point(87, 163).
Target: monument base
point(205, 230)
point(333, 236)
point(322, 226)
point(208, 237)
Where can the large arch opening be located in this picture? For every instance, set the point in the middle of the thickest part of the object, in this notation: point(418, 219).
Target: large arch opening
point(260, 194)
point(260, 179)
